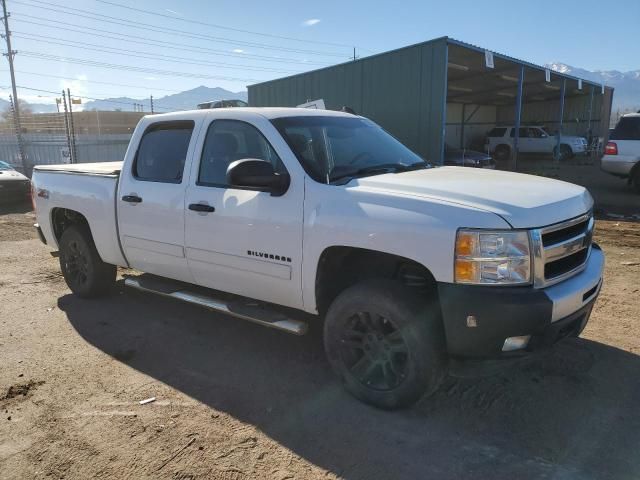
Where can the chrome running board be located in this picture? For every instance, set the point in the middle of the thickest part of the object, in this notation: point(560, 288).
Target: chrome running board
point(245, 309)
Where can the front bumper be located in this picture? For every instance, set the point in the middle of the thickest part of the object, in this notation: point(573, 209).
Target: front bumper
point(547, 314)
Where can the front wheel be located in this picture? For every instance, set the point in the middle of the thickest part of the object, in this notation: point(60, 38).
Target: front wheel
point(386, 343)
point(84, 271)
point(565, 152)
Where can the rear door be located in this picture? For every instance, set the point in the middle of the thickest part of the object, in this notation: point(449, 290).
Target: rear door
point(248, 242)
point(151, 200)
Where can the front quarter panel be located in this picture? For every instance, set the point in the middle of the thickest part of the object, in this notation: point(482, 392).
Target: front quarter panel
point(410, 226)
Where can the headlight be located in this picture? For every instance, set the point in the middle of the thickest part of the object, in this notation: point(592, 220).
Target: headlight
point(492, 257)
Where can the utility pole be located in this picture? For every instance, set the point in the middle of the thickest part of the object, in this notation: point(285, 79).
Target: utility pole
point(66, 126)
point(16, 108)
point(72, 128)
point(151, 101)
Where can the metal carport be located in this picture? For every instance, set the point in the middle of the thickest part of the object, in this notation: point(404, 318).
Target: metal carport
point(444, 90)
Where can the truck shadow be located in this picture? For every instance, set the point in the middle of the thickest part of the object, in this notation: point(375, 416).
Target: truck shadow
point(570, 414)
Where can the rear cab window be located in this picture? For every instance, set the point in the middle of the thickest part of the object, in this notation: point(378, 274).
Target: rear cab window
point(162, 152)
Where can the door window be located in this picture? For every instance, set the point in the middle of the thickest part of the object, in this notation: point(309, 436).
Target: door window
point(162, 152)
point(228, 141)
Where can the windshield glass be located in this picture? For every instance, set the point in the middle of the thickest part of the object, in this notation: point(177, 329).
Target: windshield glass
point(5, 166)
point(339, 148)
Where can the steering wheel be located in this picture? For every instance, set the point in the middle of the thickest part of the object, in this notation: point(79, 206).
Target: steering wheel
point(359, 157)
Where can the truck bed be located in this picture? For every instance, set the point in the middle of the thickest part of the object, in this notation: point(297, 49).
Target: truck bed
point(99, 168)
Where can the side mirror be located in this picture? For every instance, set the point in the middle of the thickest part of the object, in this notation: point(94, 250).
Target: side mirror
point(259, 175)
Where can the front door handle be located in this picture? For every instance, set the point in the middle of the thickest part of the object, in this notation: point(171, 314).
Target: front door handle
point(200, 207)
point(131, 199)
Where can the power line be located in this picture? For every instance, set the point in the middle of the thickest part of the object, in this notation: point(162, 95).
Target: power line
point(153, 42)
point(224, 27)
point(150, 56)
point(76, 12)
point(145, 87)
point(80, 96)
point(130, 68)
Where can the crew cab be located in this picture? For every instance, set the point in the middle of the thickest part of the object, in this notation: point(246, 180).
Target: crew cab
point(287, 216)
point(622, 152)
point(500, 142)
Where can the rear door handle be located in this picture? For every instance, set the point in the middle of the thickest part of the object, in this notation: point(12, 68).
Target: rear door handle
point(131, 199)
point(200, 207)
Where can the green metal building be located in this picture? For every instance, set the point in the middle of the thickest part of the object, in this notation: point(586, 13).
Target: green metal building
point(448, 91)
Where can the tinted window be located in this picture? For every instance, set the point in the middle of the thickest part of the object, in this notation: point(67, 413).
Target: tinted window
point(628, 128)
point(162, 152)
point(497, 132)
point(524, 132)
point(5, 166)
point(228, 141)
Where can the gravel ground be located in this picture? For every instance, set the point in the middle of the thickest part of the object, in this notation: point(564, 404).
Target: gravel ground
point(236, 401)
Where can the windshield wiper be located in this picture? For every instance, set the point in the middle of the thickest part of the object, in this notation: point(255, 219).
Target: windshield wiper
point(378, 170)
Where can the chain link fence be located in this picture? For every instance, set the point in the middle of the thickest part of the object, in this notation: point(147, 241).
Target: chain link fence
point(64, 137)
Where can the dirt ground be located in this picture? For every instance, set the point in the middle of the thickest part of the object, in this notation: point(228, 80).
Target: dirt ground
point(236, 401)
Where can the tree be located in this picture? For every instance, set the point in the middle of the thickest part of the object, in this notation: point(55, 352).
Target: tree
point(25, 109)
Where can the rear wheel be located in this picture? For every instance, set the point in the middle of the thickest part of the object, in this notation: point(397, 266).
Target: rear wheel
point(84, 271)
point(386, 343)
point(502, 152)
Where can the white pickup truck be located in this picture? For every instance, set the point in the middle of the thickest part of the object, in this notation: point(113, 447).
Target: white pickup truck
point(288, 216)
point(500, 141)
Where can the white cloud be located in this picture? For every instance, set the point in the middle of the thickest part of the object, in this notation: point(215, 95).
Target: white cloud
point(78, 87)
point(150, 78)
point(311, 22)
point(237, 50)
point(172, 11)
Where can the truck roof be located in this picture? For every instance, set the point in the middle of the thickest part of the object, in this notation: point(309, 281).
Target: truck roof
point(267, 112)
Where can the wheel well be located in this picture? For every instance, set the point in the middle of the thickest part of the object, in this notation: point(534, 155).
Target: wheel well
point(635, 170)
point(342, 267)
point(63, 218)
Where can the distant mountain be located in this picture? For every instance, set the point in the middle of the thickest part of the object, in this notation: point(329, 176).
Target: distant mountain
point(626, 94)
point(186, 100)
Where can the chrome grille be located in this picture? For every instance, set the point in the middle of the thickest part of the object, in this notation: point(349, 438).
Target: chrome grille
point(561, 250)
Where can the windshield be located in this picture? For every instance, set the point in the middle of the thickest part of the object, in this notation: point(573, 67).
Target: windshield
point(5, 166)
point(341, 148)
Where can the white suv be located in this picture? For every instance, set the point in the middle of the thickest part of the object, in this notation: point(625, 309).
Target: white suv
point(622, 153)
point(532, 140)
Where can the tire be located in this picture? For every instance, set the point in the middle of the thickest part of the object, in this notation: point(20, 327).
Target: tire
point(84, 271)
point(386, 343)
point(502, 152)
point(565, 152)
point(635, 179)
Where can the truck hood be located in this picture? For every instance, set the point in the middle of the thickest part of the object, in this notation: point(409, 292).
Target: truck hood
point(12, 176)
point(572, 139)
point(524, 201)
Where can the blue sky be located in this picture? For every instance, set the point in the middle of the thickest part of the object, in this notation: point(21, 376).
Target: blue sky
point(52, 36)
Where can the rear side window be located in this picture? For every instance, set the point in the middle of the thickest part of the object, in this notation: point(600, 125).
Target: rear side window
point(628, 128)
point(524, 132)
point(162, 152)
point(228, 141)
point(497, 132)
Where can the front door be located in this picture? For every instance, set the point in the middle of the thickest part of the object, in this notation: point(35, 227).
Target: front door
point(151, 201)
point(243, 241)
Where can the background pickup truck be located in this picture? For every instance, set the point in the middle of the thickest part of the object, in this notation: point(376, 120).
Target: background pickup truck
point(290, 216)
point(533, 140)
